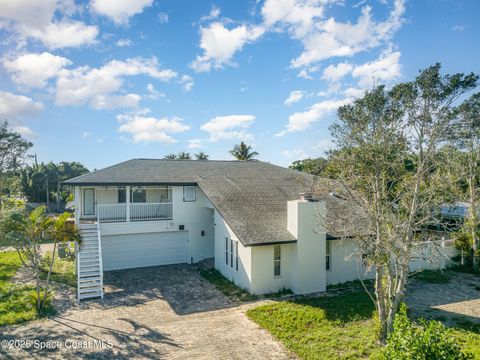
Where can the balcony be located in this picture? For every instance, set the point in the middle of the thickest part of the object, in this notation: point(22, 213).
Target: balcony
point(133, 212)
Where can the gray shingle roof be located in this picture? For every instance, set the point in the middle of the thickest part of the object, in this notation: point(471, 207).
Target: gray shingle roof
point(250, 195)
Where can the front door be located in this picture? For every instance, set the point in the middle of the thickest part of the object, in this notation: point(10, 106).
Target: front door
point(88, 201)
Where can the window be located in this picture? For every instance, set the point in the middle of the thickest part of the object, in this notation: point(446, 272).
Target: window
point(236, 255)
point(189, 193)
point(328, 252)
point(166, 195)
point(277, 257)
point(226, 251)
point(138, 195)
point(231, 253)
point(122, 196)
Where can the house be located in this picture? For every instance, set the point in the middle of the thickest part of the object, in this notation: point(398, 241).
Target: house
point(252, 217)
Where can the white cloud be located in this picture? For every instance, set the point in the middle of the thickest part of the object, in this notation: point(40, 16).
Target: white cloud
point(119, 11)
point(294, 97)
point(86, 134)
point(14, 107)
point(354, 92)
point(195, 143)
point(229, 127)
point(300, 121)
point(150, 129)
point(153, 93)
point(124, 43)
point(304, 75)
point(28, 13)
point(34, 70)
point(332, 38)
point(58, 35)
point(187, 83)
point(219, 44)
point(25, 131)
point(163, 18)
point(385, 68)
point(297, 154)
point(36, 19)
point(299, 16)
point(336, 72)
point(458, 28)
point(101, 102)
point(214, 13)
point(95, 86)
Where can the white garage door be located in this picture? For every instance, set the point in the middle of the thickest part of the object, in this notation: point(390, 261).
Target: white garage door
point(140, 250)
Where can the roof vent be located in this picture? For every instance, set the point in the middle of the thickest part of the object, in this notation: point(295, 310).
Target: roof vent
point(304, 195)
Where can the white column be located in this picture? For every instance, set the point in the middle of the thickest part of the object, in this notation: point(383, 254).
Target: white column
point(127, 201)
point(77, 202)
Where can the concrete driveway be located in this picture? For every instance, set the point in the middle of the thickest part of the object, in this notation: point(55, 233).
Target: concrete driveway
point(166, 312)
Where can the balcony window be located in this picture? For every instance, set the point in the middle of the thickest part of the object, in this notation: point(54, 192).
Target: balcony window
point(138, 195)
point(122, 196)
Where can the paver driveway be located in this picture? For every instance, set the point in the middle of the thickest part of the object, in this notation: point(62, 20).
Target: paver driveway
point(166, 312)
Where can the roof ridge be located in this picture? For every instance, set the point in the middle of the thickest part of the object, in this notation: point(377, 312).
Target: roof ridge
point(93, 172)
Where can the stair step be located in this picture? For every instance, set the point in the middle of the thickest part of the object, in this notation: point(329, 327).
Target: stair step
point(86, 252)
point(90, 279)
point(87, 266)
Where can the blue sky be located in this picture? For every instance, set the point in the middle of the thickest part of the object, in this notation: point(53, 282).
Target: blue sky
point(101, 81)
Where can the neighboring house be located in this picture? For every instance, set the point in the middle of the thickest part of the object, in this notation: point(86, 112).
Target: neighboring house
point(249, 216)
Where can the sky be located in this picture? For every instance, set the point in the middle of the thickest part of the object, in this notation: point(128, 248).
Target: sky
point(104, 81)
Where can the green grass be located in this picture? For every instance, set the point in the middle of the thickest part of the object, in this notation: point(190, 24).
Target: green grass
point(337, 327)
point(62, 272)
point(432, 277)
point(323, 328)
point(16, 303)
point(227, 287)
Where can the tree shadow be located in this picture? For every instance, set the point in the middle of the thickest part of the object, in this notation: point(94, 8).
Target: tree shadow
point(344, 307)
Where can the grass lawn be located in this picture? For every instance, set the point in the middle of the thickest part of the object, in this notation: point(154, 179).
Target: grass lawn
point(17, 301)
point(433, 276)
point(336, 327)
point(63, 270)
point(227, 287)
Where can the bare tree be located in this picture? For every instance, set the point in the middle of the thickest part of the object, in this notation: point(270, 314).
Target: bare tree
point(388, 142)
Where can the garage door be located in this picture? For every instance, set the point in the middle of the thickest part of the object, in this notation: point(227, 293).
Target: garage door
point(141, 250)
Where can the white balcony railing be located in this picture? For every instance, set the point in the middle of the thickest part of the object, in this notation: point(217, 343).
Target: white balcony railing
point(150, 211)
point(111, 212)
point(138, 212)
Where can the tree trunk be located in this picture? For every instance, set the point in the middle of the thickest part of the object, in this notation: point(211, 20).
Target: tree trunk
point(381, 306)
point(58, 195)
point(47, 281)
point(48, 193)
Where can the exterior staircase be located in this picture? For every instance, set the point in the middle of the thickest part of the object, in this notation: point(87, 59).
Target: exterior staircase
point(89, 263)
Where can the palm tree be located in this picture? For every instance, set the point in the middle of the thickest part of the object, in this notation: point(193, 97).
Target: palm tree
point(184, 156)
point(201, 156)
point(243, 152)
point(170, 156)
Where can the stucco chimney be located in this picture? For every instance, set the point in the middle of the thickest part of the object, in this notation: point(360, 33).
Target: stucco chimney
point(304, 222)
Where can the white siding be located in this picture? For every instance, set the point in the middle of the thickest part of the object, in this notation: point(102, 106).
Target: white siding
point(195, 216)
point(140, 250)
point(243, 276)
point(263, 279)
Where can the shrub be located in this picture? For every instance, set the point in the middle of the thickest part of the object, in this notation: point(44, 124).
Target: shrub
point(429, 340)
